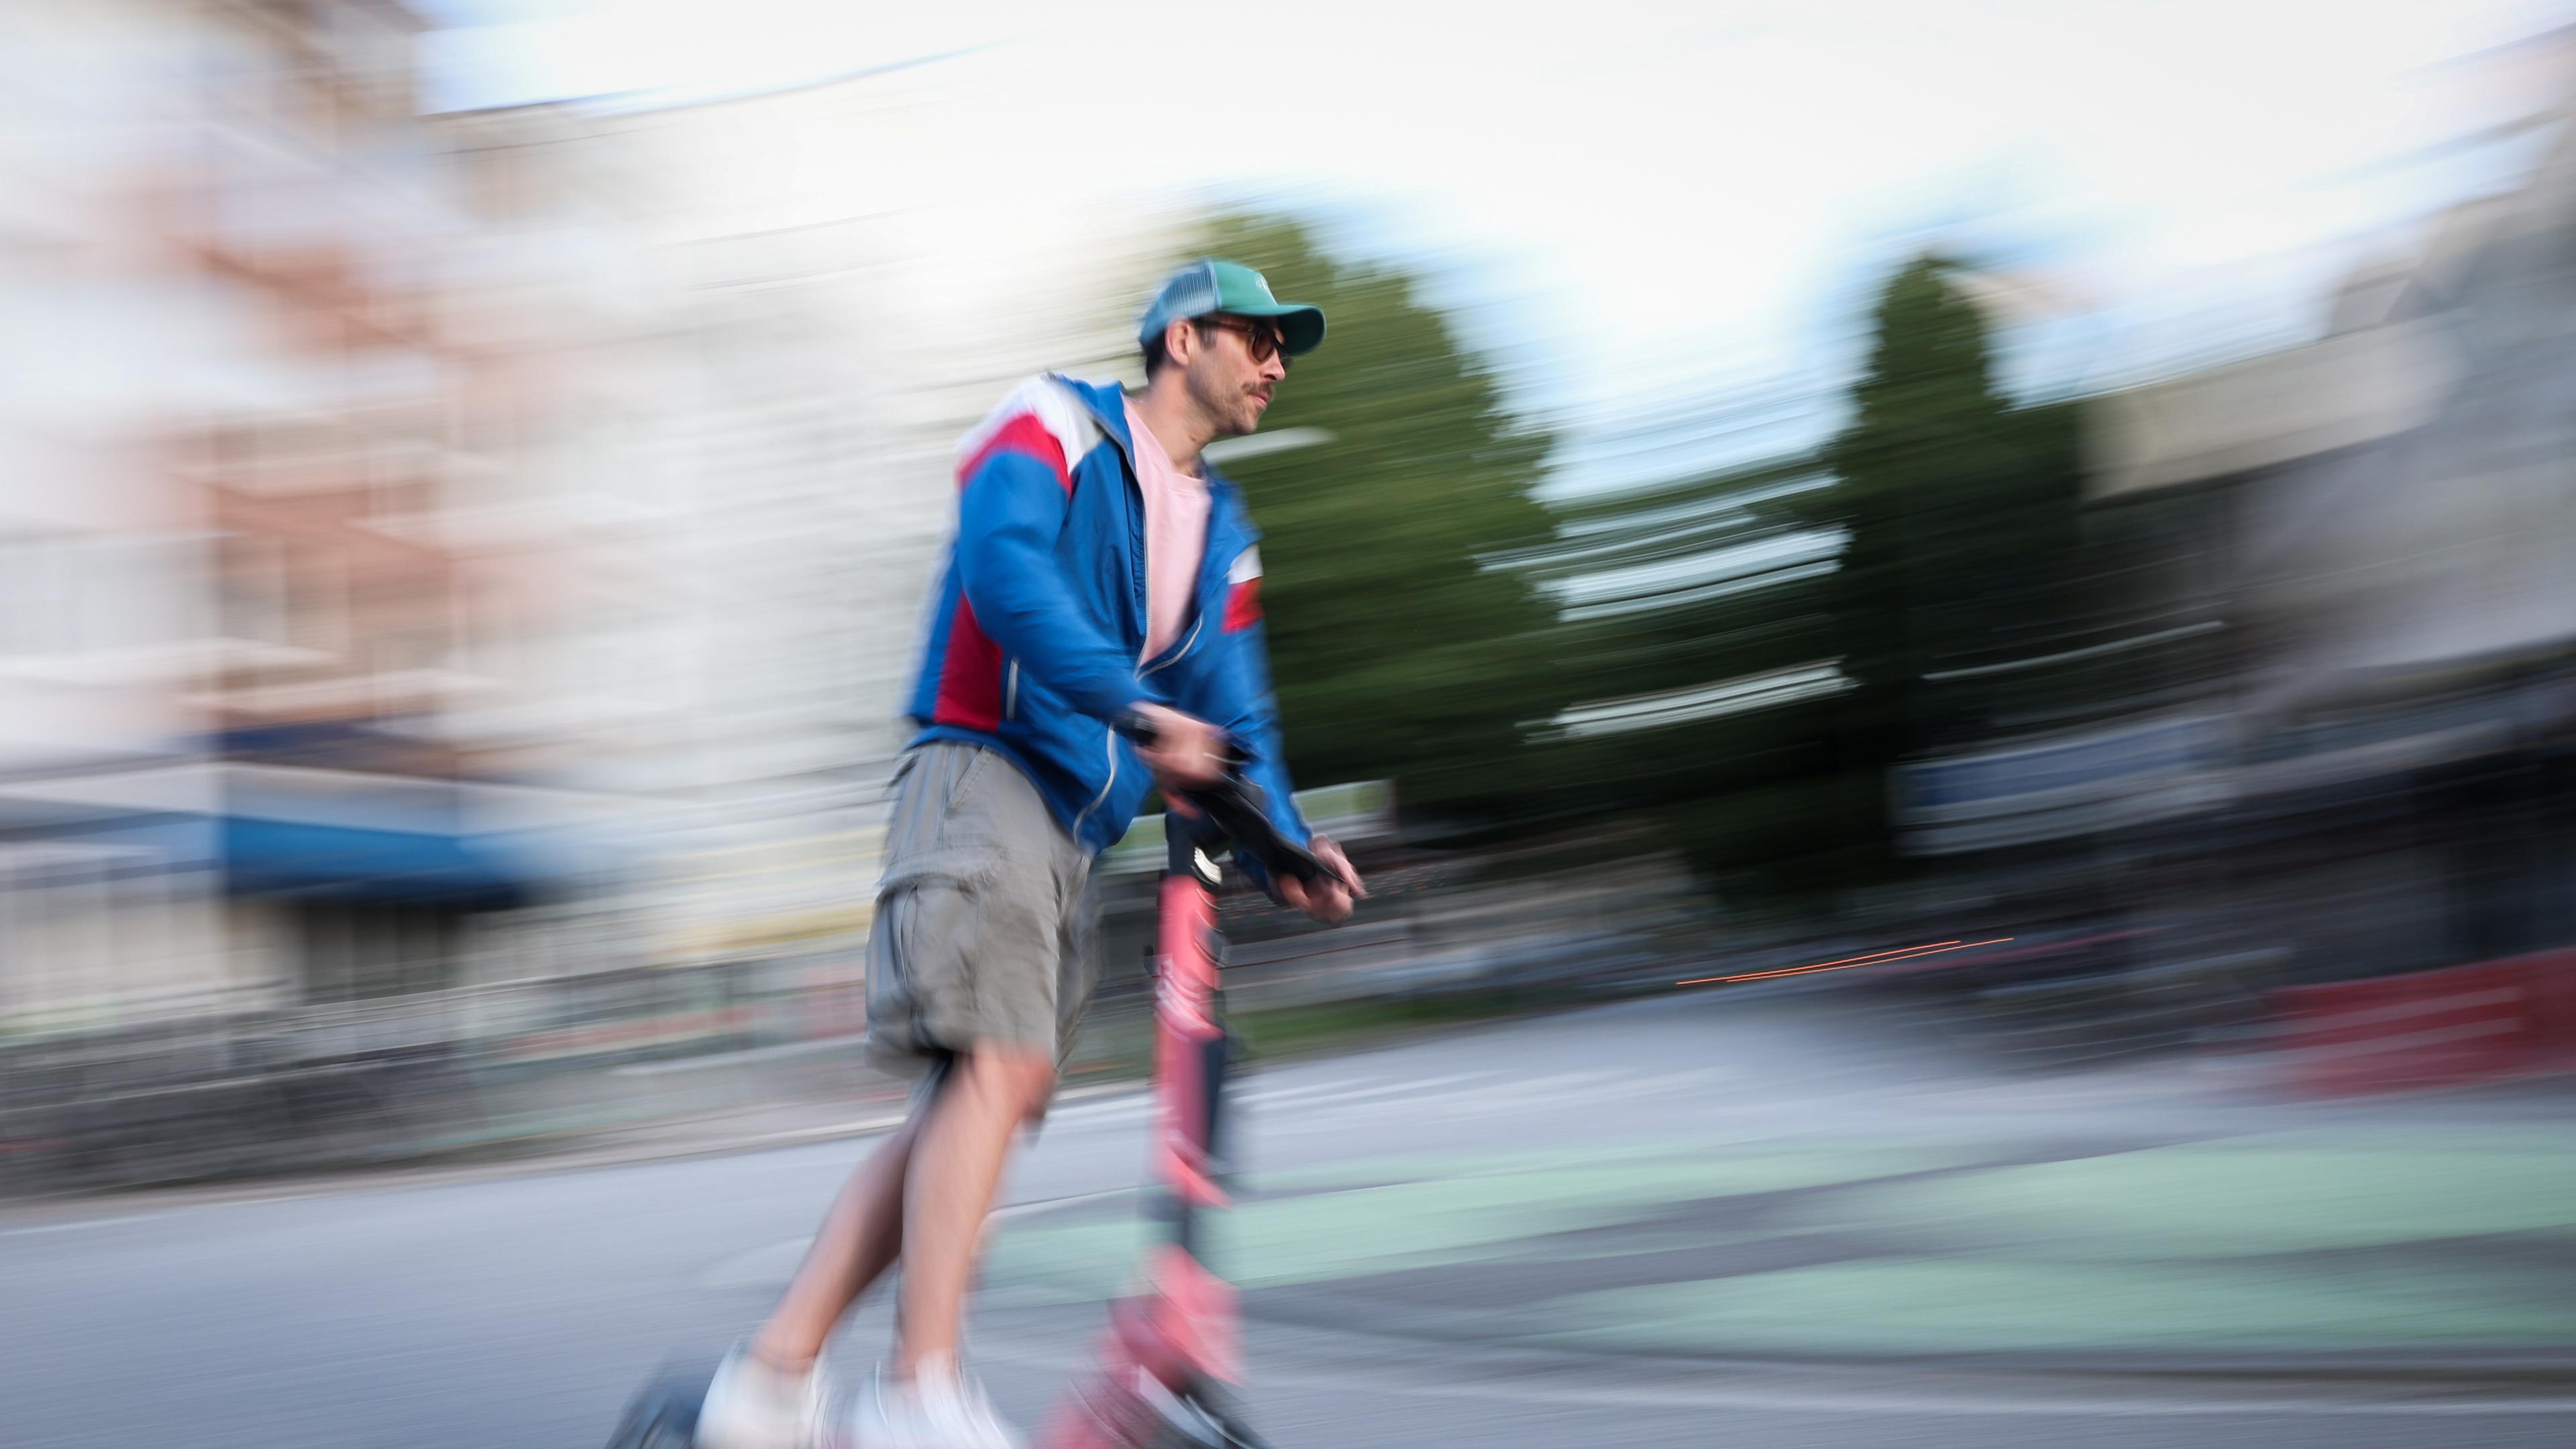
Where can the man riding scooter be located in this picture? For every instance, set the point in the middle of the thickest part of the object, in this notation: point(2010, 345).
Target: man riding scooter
point(1096, 633)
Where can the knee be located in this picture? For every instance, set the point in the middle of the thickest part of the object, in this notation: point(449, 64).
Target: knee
point(1024, 1080)
point(1035, 1083)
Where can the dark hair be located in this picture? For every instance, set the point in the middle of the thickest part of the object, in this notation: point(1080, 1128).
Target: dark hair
point(1158, 350)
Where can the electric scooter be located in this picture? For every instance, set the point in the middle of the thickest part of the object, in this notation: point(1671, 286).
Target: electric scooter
point(1171, 1351)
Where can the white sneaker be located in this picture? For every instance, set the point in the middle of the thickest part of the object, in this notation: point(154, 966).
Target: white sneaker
point(753, 1405)
point(938, 1408)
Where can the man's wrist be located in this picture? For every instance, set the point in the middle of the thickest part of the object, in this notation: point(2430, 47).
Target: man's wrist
point(1141, 700)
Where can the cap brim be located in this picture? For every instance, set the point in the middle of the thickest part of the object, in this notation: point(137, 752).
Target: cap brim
point(1302, 327)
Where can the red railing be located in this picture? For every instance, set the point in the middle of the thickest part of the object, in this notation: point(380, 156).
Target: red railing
point(2486, 1022)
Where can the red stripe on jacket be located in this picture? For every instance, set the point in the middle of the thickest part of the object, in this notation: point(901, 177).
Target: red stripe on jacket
point(970, 674)
point(1243, 605)
point(1022, 434)
point(970, 677)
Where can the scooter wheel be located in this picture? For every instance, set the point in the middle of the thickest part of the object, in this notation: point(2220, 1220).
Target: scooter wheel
point(664, 1413)
point(1201, 1419)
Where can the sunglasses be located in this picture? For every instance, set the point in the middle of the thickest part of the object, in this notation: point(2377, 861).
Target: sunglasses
point(1262, 342)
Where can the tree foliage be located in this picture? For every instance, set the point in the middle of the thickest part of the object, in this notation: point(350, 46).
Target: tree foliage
point(1746, 654)
point(1396, 653)
point(1935, 530)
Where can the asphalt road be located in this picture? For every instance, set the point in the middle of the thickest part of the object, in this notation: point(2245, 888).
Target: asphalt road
point(1441, 1247)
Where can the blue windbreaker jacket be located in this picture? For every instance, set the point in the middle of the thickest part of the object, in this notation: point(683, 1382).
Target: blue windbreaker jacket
point(1034, 632)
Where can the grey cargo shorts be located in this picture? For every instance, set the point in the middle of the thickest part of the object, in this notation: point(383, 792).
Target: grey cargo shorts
point(984, 927)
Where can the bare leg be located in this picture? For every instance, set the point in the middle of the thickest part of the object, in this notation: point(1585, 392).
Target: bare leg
point(860, 1238)
point(949, 1190)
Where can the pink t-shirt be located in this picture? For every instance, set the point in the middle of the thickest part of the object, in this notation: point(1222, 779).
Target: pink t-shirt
point(1176, 518)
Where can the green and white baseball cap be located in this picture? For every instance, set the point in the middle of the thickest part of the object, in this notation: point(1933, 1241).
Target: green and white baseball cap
point(1208, 285)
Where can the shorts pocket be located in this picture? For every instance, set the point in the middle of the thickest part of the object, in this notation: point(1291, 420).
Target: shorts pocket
point(962, 862)
point(954, 842)
point(920, 993)
point(962, 796)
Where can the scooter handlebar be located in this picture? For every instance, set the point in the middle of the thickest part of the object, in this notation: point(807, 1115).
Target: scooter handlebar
point(1238, 808)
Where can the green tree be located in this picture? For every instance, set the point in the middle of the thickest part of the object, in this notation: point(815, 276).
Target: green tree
point(1936, 529)
point(1396, 653)
point(1705, 638)
point(1962, 514)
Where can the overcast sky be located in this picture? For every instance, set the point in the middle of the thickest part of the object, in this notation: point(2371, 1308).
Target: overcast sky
point(1642, 205)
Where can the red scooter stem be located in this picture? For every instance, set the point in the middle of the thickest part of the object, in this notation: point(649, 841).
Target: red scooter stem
point(1189, 1045)
point(1173, 1343)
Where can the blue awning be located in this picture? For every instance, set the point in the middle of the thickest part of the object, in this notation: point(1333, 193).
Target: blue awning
point(384, 867)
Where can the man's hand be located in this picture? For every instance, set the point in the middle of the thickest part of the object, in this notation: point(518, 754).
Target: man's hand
point(1188, 753)
point(1327, 900)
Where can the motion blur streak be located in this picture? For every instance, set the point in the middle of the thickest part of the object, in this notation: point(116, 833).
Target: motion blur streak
point(2087, 476)
point(1822, 965)
point(1937, 949)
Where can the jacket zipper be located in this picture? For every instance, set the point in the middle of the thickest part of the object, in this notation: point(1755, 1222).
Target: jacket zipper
point(1108, 738)
point(1134, 491)
point(1011, 696)
point(1181, 653)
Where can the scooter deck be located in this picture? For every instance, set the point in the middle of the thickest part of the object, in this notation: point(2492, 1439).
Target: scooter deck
point(664, 1413)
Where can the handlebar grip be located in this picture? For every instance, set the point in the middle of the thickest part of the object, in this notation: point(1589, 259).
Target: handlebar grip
point(1236, 806)
point(1139, 730)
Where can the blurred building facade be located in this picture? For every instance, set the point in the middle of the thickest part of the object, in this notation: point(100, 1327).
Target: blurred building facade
point(480, 545)
point(452, 550)
point(833, 308)
point(222, 792)
point(2359, 556)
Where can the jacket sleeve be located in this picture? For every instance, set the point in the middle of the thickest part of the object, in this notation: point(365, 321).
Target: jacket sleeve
point(1229, 685)
point(1008, 516)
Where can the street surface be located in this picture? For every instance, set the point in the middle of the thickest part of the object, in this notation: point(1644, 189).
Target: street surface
point(1706, 1219)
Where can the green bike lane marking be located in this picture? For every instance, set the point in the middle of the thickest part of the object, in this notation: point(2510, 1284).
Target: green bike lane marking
point(1488, 1203)
point(1989, 1305)
point(2141, 1248)
point(2245, 1196)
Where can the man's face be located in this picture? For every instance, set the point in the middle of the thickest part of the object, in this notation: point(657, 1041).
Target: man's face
point(1230, 377)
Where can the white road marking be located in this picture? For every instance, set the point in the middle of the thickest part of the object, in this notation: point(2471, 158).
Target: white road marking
point(1325, 1096)
point(78, 1225)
